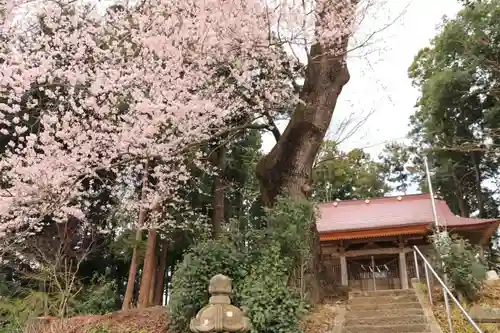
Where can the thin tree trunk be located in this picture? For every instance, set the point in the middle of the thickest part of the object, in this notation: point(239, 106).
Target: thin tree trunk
point(153, 278)
point(239, 210)
point(148, 270)
point(218, 213)
point(478, 178)
point(160, 274)
point(462, 204)
point(287, 169)
point(129, 292)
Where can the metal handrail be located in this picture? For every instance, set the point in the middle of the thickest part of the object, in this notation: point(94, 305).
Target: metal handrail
point(428, 267)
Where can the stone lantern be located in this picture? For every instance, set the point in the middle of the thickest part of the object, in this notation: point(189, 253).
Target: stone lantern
point(219, 315)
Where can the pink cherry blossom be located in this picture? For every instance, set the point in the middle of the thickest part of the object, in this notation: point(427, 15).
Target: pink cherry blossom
point(85, 91)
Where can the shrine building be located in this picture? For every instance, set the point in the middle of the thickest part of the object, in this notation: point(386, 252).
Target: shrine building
point(368, 244)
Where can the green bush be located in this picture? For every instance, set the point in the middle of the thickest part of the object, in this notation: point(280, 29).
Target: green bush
point(270, 303)
point(190, 281)
point(18, 306)
point(262, 268)
point(464, 267)
point(14, 312)
point(99, 297)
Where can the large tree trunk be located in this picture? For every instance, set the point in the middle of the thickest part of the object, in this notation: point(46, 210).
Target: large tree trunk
point(148, 270)
point(218, 213)
point(287, 169)
point(129, 293)
point(159, 288)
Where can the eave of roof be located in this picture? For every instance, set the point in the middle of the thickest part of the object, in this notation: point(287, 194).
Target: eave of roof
point(372, 233)
point(389, 213)
point(426, 225)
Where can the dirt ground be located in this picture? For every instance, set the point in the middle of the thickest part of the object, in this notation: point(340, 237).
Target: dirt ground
point(154, 320)
point(321, 319)
point(490, 296)
point(151, 320)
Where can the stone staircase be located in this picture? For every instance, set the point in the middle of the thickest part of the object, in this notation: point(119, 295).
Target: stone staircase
point(387, 311)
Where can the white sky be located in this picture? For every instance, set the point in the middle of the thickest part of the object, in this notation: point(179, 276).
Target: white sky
point(379, 80)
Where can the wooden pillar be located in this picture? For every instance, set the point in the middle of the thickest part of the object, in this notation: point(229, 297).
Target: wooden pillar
point(403, 272)
point(343, 270)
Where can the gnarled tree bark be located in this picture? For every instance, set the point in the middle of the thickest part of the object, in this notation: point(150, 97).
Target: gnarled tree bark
point(287, 169)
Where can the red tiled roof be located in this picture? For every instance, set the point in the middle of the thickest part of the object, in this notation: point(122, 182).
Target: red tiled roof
point(387, 212)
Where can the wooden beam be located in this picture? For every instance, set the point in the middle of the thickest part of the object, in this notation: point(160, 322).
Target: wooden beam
point(367, 252)
point(377, 239)
point(487, 234)
point(348, 242)
point(373, 233)
point(330, 249)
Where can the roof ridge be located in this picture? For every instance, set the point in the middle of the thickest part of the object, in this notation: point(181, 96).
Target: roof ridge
point(380, 199)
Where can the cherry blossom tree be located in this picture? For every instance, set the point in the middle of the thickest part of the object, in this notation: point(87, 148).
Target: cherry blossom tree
point(125, 88)
point(130, 91)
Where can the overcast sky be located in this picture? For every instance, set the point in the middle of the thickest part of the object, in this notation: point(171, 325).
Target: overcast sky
point(379, 80)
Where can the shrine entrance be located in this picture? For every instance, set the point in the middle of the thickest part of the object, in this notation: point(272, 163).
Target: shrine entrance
point(379, 272)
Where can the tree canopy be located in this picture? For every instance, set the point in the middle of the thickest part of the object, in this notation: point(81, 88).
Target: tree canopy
point(346, 176)
point(457, 114)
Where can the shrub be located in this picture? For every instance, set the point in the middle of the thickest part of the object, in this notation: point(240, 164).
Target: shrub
point(462, 264)
point(190, 281)
point(262, 268)
point(16, 309)
point(270, 303)
point(99, 297)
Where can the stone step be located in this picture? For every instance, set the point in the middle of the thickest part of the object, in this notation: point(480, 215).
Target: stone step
point(384, 306)
point(385, 320)
point(412, 328)
point(383, 313)
point(387, 292)
point(407, 298)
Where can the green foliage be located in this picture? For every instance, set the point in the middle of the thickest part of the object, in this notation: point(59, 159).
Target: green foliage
point(263, 269)
point(15, 311)
point(393, 159)
point(344, 176)
point(124, 243)
point(457, 120)
point(16, 308)
point(462, 264)
point(190, 281)
point(99, 297)
point(18, 304)
point(270, 303)
point(458, 110)
point(290, 225)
